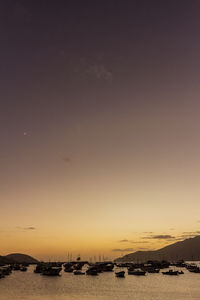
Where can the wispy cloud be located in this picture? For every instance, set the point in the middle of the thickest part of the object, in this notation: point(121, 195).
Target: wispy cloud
point(97, 69)
point(163, 237)
point(188, 234)
point(159, 237)
point(99, 72)
point(191, 232)
point(66, 159)
point(26, 228)
point(124, 241)
point(132, 242)
point(143, 248)
point(139, 242)
point(29, 228)
point(123, 250)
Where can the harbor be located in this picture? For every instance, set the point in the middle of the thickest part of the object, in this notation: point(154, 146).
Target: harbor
point(30, 285)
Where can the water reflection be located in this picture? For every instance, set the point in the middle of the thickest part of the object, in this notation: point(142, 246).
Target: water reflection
point(106, 286)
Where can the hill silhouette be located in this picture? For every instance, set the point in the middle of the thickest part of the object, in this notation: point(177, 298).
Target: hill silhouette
point(188, 249)
point(5, 261)
point(17, 258)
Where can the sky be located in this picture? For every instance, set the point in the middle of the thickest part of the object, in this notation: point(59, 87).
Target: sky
point(99, 126)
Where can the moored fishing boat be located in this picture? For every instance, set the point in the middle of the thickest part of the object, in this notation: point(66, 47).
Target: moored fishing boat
point(6, 270)
point(171, 272)
point(153, 270)
point(16, 267)
point(39, 268)
point(69, 270)
point(92, 271)
point(77, 272)
point(137, 272)
point(193, 268)
point(120, 274)
point(51, 271)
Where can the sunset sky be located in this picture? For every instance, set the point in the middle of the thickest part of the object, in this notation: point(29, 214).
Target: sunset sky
point(99, 126)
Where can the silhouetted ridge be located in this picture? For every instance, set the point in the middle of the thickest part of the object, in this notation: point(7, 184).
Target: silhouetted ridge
point(188, 249)
point(21, 258)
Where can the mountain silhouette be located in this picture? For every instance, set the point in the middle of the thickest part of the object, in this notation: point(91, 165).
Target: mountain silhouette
point(17, 258)
point(188, 249)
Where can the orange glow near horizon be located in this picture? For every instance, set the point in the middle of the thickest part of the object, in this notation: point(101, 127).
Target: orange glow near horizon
point(99, 128)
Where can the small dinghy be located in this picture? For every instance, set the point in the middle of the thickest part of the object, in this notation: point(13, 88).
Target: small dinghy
point(120, 274)
point(171, 272)
point(78, 273)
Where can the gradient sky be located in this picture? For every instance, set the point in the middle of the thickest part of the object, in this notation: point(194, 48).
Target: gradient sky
point(99, 126)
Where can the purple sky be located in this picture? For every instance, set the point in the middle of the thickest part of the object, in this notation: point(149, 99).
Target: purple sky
point(99, 110)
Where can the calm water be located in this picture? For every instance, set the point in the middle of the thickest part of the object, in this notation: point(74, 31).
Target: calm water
point(31, 286)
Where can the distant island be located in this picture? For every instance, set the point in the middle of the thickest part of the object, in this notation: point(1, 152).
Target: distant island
point(188, 249)
point(17, 258)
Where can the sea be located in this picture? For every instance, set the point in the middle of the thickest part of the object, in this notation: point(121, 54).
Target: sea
point(105, 286)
